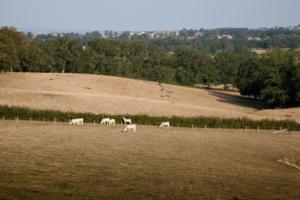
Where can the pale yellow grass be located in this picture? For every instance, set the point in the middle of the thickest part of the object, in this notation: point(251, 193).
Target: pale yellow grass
point(47, 161)
point(115, 95)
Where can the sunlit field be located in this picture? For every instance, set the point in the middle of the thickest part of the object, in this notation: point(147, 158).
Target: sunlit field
point(100, 94)
point(58, 161)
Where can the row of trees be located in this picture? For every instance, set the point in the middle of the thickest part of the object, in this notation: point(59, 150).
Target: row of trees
point(202, 39)
point(274, 77)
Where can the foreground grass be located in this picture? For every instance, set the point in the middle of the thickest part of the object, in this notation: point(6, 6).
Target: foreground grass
point(47, 161)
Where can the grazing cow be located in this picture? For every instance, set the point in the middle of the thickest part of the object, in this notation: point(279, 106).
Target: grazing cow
point(130, 127)
point(127, 121)
point(104, 121)
point(78, 121)
point(164, 124)
point(112, 122)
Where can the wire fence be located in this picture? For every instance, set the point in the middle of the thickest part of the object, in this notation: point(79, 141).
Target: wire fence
point(17, 113)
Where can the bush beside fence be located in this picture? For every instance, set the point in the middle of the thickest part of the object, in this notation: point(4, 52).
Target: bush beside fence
point(11, 112)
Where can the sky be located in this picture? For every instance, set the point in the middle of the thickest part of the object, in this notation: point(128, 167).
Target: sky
point(146, 15)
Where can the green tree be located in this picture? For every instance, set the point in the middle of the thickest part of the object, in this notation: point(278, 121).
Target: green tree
point(34, 59)
point(250, 77)
point(12, 46)
point(194, 67)
point(58, 49)
point(227, 64)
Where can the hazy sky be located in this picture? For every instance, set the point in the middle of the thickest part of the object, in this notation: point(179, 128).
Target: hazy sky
point(147, 15)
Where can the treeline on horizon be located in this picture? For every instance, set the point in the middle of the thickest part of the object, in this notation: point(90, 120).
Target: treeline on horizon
point(273, 77)
point(204, 40)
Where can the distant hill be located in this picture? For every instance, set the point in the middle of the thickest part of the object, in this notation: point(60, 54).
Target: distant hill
point(114, 95)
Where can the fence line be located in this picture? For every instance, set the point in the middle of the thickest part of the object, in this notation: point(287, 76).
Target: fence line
point(198, 122)
point(205, 127)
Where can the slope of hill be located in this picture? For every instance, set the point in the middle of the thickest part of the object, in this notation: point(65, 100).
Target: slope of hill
point(114, 95)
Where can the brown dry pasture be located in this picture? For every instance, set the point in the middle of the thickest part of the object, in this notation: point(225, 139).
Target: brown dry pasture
point(48, 161)
point(114, 95)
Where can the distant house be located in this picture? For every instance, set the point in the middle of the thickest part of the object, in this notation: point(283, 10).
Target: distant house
point(227, 37)
point(196, 35)
point(170, 53)
point(140, 33)
point(254, 38)
point(259, 51)
point(152, 35)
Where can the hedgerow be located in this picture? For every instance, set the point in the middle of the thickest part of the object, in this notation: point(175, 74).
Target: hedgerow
point(12, 112)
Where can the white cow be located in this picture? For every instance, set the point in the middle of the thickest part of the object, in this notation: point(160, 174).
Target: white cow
point(164, 124)
point(104, 121)
point(78, 121)
point(112, 122)
point(127, 121)
point(130, 127)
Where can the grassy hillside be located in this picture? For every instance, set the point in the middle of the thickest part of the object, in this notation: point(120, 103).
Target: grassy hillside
point(114, 95)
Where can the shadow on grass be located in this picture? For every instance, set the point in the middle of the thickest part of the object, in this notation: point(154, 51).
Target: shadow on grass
point(239, 100)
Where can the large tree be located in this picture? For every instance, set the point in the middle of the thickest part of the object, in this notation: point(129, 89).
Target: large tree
point(12, 47)
point(250, 77)
point(227, 64)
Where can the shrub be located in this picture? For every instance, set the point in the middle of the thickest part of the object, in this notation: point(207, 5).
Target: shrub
point(210, 122)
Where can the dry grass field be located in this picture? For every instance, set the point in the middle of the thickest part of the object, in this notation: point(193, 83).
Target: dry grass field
point(47, 161)
point(115, 95)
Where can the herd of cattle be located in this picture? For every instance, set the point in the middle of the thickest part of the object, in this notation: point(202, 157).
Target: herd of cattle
point(110, 122)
